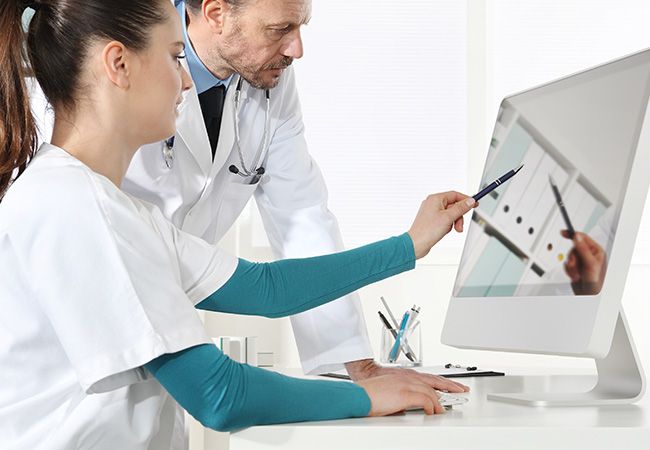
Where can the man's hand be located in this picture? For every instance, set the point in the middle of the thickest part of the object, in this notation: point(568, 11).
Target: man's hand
point(364, 369)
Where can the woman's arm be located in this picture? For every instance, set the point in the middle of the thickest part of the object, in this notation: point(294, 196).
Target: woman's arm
point(291, 286)
point(225, 395)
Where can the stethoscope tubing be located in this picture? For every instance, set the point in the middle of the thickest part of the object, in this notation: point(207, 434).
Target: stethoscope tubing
point(244, 171)
point(260, 154)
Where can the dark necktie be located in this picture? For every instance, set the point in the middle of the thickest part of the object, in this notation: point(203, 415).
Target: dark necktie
point(212, 108)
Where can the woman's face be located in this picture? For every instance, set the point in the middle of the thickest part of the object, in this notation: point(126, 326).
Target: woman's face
point(159, 81)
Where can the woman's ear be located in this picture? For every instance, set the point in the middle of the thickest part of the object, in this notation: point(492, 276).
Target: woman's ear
point(117, 64)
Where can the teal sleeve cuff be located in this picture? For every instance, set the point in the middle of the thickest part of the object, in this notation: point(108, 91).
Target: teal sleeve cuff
point(226, 396)
point(292, 286)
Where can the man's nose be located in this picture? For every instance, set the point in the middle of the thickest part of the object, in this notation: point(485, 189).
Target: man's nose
point(294, 48)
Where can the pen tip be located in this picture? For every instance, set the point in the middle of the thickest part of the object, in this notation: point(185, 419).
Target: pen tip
point(552, 181)
point(519, 168)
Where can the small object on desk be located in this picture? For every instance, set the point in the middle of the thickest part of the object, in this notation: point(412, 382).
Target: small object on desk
point(484, 373)
point(446, 400)
point(450, 370)
point(496, 183)
point(338, 376)
point(458, 366)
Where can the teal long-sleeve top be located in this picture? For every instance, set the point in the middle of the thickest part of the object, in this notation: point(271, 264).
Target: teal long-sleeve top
point(225, 395)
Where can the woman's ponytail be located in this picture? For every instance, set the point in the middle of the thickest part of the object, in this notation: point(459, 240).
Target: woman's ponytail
point(17, 129)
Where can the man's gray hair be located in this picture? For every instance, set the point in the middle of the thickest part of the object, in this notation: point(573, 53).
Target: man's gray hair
point(195, 5)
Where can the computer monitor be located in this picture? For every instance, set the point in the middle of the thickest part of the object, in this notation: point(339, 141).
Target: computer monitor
point(523, 285)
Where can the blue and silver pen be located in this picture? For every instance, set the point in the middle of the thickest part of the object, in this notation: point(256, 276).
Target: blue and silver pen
point(496, 183)
point(560, 204)
point(394, 352)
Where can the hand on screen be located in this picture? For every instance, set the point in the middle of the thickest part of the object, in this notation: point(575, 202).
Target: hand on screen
point(586, 264)
point(438, 214)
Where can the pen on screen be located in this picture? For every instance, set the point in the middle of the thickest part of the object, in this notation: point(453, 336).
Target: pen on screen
point(496, 183)
point(409, 353)
point(560, 204)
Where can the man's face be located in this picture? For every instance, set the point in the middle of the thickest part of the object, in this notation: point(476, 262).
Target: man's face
point(262, 38)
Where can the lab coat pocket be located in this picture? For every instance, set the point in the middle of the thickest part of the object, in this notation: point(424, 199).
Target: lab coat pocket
point(235, 196)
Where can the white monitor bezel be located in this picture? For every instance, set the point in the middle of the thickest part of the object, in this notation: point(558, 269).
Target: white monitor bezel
point(561, 325)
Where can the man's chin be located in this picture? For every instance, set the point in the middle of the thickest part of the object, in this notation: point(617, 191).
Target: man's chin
point(267, 79)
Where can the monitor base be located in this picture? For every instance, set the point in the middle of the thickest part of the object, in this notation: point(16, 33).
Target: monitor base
point(620, 379)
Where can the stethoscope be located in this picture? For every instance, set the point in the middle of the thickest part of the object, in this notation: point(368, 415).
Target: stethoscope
point(244, 171)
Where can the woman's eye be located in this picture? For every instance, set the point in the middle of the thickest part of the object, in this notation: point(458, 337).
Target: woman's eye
point(179, 57)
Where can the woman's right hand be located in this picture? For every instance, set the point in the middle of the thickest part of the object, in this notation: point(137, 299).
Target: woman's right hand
point(391, 394)
point(438, 214)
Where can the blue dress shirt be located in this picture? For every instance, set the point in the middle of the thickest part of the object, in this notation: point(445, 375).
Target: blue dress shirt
point(203, 79)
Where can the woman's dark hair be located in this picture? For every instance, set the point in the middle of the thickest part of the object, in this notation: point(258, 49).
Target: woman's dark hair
point(54, 51)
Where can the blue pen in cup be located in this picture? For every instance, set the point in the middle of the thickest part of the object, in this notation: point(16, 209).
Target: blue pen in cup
point(394, 352)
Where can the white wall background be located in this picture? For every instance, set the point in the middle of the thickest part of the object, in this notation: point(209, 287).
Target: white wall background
point(399, 100)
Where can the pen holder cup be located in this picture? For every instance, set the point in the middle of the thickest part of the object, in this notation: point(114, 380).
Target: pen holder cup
point(407, 353)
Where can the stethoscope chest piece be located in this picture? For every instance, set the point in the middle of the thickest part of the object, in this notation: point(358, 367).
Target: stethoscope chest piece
point(168, 152)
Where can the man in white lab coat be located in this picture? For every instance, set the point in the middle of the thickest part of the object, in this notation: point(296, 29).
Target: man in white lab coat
point(256, 40)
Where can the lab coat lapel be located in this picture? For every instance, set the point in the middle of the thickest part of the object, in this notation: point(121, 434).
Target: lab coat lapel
point(227, 130)
point(191, 129)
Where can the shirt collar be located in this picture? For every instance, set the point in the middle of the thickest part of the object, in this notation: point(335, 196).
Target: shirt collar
point(203, 79)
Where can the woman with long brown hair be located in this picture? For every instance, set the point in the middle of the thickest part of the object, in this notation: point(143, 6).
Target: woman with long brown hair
point(98, 293)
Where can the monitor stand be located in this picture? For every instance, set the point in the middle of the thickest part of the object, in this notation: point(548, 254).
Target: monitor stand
point(620, 378)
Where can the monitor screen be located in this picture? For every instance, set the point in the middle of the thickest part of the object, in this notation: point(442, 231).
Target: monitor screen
point(548, 230)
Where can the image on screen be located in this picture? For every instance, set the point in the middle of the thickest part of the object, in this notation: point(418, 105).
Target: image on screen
point(578, 134)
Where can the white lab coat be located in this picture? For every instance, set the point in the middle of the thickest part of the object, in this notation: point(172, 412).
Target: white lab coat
point(95, 284)
point(203, 198)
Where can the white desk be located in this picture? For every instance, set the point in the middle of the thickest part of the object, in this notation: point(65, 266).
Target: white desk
point(479, 424)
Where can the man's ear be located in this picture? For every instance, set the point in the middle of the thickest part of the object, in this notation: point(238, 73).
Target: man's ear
point(117, 65)
point(214, 12)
